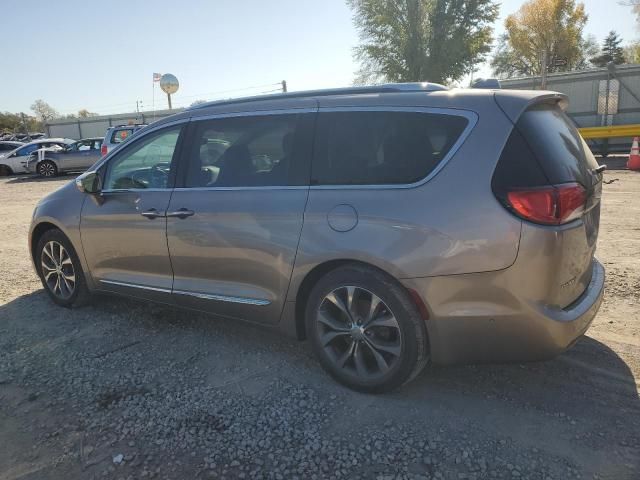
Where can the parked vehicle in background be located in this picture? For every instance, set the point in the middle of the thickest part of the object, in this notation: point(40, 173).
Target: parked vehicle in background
point(14, 161)
point(8, 147)
point(75, 157)
point(117, 135)
point(23, 137)
point(390, 226)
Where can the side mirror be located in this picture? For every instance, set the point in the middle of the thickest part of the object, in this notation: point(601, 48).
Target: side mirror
point(89, 182)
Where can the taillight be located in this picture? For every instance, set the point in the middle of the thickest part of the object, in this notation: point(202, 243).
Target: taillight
point(103, 150)
point(552, 205)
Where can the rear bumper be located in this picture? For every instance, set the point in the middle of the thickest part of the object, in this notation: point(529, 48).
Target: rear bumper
point(476, 318)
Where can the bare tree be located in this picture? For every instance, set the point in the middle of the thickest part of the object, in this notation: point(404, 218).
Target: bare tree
point(44, 111)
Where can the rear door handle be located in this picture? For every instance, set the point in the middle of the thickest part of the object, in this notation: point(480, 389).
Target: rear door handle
point(151, 214)
point(181, 213)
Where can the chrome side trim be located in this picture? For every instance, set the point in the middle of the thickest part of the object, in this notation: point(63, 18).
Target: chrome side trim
point(134, 285)
point(224, 298)
point(471, 116)
point(254, 113)
point(266, 187)
point(134, 190)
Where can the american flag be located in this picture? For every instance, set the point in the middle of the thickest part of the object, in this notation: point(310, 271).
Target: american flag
point(156, 77)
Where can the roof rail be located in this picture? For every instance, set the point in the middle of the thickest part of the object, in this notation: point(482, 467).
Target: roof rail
point(383, 88)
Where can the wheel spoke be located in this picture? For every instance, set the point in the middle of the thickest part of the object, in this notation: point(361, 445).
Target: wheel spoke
point(67, 261)
point(47, 267)
point(373, 306)
point(57, 285)
point(346, 355)
point(351, 291)
point(48, 275)
point(392, 348)
point(386, 320)
point(332, 323)
point(329, 336)
point(61, 253)
point(69, 276)
point(66, 284)
point(358, 357)
point(382, 363)
point(337, 301)
point(46, 252)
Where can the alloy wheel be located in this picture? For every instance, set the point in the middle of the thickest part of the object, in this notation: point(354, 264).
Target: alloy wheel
point(57, 270)
point(47, 169)
point(359, 332)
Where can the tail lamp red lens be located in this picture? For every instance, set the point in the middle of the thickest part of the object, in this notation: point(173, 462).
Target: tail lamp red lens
point(103, 150)
point(552, 205)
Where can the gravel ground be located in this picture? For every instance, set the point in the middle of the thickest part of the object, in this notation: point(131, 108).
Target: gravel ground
point(123, 389)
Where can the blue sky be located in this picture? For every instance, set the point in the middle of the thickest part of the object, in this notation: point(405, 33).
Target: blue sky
point(101, 55)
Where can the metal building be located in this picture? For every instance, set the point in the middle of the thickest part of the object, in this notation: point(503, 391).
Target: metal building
point(598, 97)
point(78, 128)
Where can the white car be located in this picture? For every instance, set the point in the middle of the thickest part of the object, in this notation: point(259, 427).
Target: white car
point(12, 161)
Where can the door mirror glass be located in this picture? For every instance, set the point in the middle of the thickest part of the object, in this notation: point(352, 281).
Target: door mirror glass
point(89, 182)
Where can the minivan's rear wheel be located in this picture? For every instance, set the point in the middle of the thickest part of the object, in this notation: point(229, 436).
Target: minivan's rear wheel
point(47, 169)
point(365, 330)
point(60, 269)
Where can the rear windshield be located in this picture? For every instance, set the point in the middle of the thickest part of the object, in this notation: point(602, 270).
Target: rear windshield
point(381, 148)
point(120, 136)
point(557, 145)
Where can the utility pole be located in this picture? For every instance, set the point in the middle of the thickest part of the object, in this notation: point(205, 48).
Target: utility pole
point(545, 62)
point(284, 86)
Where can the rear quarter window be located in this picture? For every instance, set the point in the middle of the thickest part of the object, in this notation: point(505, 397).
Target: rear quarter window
point(557, 145)
point(381, 148)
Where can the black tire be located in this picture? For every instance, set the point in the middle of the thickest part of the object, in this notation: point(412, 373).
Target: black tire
point(407, 335)
point(47, 168)
point(77, 296)
point(5, 171)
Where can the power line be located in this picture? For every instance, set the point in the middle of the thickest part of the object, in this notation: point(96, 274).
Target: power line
point(119, 106)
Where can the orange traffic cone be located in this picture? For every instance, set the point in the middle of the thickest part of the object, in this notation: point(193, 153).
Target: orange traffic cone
point(634, 157)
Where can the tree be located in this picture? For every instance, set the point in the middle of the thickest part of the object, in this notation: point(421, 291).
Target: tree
point(84, 113)
point(421, 40)
point(44, 111)
point(12, 122)
point(611, 51)
point(542, 30)
point(632, 52)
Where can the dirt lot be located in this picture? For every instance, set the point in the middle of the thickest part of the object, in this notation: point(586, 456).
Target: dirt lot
point(124, 390)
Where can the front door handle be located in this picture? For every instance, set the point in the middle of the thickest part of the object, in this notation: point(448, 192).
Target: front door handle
point(151, 214)
point(181, 213)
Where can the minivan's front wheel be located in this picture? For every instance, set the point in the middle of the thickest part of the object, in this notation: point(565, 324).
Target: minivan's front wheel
point(60, 270)
point(365, 330)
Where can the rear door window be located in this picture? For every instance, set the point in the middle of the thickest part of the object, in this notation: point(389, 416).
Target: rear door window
point(251, 151)
point(383, 147)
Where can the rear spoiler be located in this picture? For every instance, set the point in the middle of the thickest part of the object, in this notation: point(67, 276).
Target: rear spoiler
point(514, 102)
point(487, 83)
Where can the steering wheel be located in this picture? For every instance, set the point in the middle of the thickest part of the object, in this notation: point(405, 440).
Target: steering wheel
point(157, 176)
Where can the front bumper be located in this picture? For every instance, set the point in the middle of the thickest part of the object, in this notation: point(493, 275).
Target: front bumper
point(475, 318)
